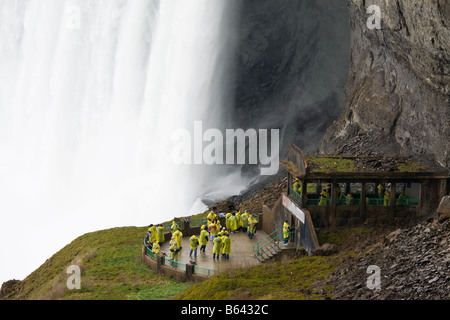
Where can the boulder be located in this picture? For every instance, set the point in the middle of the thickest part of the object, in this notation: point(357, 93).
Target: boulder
point(391, 237)
point(224, 206)
point(444, 209)
point(8, 287)
point(326, 249)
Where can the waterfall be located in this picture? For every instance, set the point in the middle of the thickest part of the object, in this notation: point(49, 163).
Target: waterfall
point(90, 94)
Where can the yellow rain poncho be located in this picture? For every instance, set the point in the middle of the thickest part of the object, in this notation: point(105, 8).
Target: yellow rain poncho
point(160, 232)
point(217, 247)
point(194, 242)
point(233, 223)
point(174, 227)
point(174, 250)
point(153, 233)
point(156, 248)
point(178, 236)
point(244, 219)
point(226, 245)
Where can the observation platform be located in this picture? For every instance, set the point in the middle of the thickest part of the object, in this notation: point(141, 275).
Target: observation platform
point(242, 254)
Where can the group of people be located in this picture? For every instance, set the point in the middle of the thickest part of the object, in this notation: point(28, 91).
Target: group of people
point(214, 232)
point(234, 222)
point(221, 242)
point(325, 196)
point(385, 194)
point(220, 235)
point(349, 199)
point(155, 237)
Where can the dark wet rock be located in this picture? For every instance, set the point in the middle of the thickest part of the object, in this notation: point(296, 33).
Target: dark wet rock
point(414, 265)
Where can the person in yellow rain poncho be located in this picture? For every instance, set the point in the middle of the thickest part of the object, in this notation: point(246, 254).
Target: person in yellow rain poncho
point(153, 233)
point(203, 238)
point(286, 233)
point(227, 220)
point(238, 219)
point(349, 200)
point(217, 247)
point(212, 228)
point(211, 217)
point(401, 201)
point(322, 201)
point(244, 221)
point(324, 195)
point(160, 233)
point(233, 223)
point(222, 232)
point(178, 236)
point(218, 226)
point(174, 249)
point(226, 246)
point(387, 198)
point(174, 227)
point(156, 247)
point(193, 243)
point(251, 226)
point(297, 187)
point(381, 190)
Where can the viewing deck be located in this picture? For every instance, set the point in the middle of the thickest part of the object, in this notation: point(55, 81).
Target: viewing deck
point(241, 253)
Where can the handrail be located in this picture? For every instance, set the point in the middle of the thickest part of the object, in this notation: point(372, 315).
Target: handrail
point(371, 202)
point(174, 264)
point(209, 272)
point(168, 226)
point(198, 222)
point(257, 249)
point(270, 235)
point(150, 253)
point(297, 196)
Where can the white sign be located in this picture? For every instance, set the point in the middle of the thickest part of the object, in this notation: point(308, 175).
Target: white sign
point(292, 207)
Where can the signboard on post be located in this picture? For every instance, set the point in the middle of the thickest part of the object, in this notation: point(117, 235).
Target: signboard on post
point(292, 207)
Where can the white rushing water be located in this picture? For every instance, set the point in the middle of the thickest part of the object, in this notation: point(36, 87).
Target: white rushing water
point(90, 93)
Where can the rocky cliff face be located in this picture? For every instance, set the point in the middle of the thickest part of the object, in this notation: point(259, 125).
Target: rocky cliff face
point(398, 91)
point(292, 67)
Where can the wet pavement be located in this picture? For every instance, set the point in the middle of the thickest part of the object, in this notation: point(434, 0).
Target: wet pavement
point(241, 253)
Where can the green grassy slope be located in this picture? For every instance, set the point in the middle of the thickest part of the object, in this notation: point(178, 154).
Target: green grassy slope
point(111, 268)
point(298, 279)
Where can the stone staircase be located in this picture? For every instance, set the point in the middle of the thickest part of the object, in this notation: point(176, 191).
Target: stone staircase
point(272, 251)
